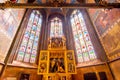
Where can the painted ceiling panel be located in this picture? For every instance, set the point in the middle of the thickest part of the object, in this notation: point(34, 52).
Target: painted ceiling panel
point(66, 1)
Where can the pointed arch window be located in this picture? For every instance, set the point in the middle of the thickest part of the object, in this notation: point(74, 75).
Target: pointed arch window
point(83, 44)
point(28, 49)
point(56, 27)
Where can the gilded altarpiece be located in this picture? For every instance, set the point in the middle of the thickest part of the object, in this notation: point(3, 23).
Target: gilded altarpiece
point(57, 63)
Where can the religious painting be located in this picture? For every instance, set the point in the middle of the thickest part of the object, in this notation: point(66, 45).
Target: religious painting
point(56, 42)
point(104, 19)
point(9, 24)
point(42, 67)
point(43, 56)
point(69, 55)
point(111, 41)
point(56, 65)
point(71, 67)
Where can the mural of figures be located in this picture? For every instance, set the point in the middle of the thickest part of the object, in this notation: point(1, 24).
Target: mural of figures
point(9, 23)
point(57, 65)
point(107, 24)
point(104, 18)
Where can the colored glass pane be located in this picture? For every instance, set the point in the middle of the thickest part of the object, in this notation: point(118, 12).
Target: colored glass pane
point(83, 45)
point(28, 49)
point(56, 28)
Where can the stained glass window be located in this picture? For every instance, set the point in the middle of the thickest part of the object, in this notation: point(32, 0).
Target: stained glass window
point(56, 27)
point(28, 48)
point(83, 44)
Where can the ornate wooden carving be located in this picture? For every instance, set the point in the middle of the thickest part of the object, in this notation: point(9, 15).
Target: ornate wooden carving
point(9, 4)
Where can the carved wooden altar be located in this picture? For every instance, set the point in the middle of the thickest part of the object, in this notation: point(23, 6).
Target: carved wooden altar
point(56, 63)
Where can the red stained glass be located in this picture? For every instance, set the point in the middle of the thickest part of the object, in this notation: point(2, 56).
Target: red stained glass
point(30, 39)
point(83, 45)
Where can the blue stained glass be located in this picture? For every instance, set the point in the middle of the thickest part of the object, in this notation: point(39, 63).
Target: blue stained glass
point(85, 34)
point(32, 36)
point(33, 32)
point(34, 28)
point(81, 37)
point(27, 34)
point(35, 43)
point(77, 35)
point(30, 39)
point(36, 38)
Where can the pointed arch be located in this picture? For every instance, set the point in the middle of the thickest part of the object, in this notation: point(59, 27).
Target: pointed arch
point(83, 45)
point(56, 27)
point(28, 48)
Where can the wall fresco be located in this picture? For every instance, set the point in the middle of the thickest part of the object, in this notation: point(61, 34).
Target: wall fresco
point(111, 41)
point(105, 19)
point(9, 23)
point(107, 24)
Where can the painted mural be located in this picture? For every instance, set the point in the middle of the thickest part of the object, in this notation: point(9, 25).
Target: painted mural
point(105, 19)
point(9, 23)
point(107, 24)
point(111, 41)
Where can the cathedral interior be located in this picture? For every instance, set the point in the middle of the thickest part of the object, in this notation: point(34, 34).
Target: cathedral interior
point(59, 40)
